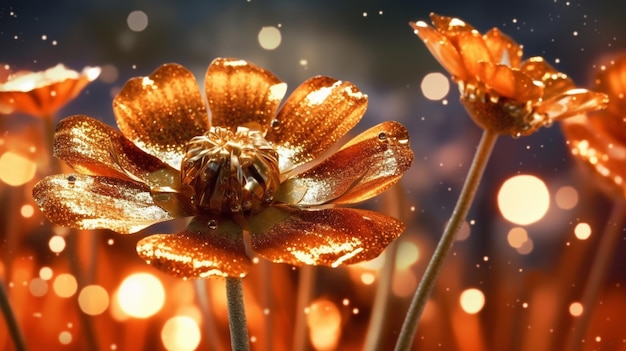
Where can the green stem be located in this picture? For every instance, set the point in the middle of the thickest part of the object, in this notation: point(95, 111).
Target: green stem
point(11, 321)
point(597, 275)
point(464, 202)
point(236, 315)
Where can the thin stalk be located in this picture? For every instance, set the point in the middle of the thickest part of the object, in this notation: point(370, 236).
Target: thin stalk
point(306, 285)
point(464, 202)
point(236, 315)
point(11, 321)
point(597, 275)
point(393, 200)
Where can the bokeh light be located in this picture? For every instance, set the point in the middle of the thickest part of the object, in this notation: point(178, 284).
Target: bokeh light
point(517, 237)
point(582, 231)
point(141, 295)
point(180, 333)
point(27, 211)
point(576, 309)
point(269, 38)
point(56, 244)
point(45, 273)
point(472, 300)
point(65, 285)
point(16, 170)
point(407, 255)
point(137, 21)
point(38, 287)
point(93, 300)
point(566, 197)
point(523, 199)
point(65, 337)
point(324, 321)
point(435, 86)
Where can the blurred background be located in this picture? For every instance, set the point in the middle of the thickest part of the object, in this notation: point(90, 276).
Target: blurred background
point(515, 278)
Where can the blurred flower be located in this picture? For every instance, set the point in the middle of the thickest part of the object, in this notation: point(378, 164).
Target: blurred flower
point(41, 94)
point(242, 172)
point(501, 92)
point(599, 138)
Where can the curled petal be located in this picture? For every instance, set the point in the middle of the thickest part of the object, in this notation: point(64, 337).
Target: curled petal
point(329, 237)
point(92, 147)
point(363, 168)
point(450, 26)
point(502, 48)
point(473, 50)
point(43, 93)
point(314, 117)
point(612, 81)
point(555, 82)
point(160, 113)
point(210, 246)
point(509, 82)
point(242, 94)
point(571, 103)
point(88, 202)
point(442, 49)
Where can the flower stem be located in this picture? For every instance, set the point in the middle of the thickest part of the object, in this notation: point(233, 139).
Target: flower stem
point(597, 275)
point(393, 201)
point(11, 321)
point(236, 315)
point(464, 202)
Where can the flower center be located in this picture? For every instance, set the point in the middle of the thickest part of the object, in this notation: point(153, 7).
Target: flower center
point(230, 172)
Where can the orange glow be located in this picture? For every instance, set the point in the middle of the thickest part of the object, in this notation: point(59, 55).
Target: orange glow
point(141, 295)
point(527, 247)
point(408, 254)
point(324, 321)
point(517, 237)
point(93, 300)
point(65, 337)
point(38, 287)
point(404, 283)
point(16, 170)
point(45, 273)
point(435, 86)
point(472, 300)
point(368, 278)
point(65, 285)
point(566, 197)
point(582, 231)
point(575, 309)
point(27, 211)
point(523, 199)
point(180, 333)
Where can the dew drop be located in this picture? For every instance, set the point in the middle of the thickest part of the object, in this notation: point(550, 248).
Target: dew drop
point(71, 180)
point(382, 136)
point(275, 124)
point(212, 224)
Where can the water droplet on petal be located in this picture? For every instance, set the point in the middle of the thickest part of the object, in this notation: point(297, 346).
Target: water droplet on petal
point(212, 224)
point(71, 180)
point(382, 136)
point(275, 124)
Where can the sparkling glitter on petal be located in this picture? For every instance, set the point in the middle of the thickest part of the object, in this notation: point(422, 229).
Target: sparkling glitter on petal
point(363, 168)
point(87, 202)
point(330, 237)
point(442, 49)
point(314, 117)
point(92, 147)
point(160, 113)
point(509, 82)
point(571, 103)
point(555, 83)
point(502, 48)
point(242, 94)
point(210, 246)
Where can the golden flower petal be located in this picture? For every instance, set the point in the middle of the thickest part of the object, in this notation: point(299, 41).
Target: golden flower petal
point(509, 83)
point(208, 247)
point(612, 80)
point(41, 94)
point(329, 237)
point(363, 168)
point(571, 103)
point(92, 147)
point(442, 49)
point(242, 94)
point(161, 112)
point(503, 49)
point(473, 51)
point(86, 202)
point(450, 26)
point(314, 117)
point(555, 83)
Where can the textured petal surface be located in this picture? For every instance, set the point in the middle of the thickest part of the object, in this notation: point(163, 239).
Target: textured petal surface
point(363, 168)
point(43, 93)
point(441, 48)
point(502, 48)
point(555, 83)
point(612, 81)
point(86, 202)
point(92, 147)
point(160, 113)
point(473, 50)
point(208, 247)
point(314, 117)
point(571, 103)
point(330, 237)
point(509, 82)
point(242, 94)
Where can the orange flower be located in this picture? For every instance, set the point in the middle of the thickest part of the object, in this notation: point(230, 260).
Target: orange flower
point(41, 94)
point(501, 92)
point(599, 139)
point(238, 175)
